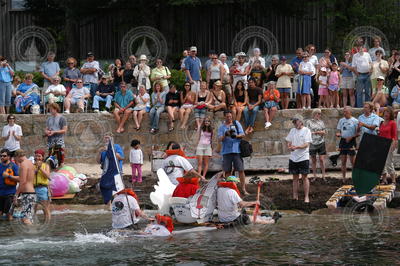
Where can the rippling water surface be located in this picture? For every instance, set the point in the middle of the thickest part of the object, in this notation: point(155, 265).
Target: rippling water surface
point(78, 237)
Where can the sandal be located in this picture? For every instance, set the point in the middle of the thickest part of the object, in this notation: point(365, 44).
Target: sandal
point(171, 129)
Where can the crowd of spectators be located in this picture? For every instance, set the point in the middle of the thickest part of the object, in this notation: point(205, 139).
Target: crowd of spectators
point(246, 85)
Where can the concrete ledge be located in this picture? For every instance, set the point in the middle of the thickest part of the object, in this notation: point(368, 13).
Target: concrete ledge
point(263, 163)
point(85, 131)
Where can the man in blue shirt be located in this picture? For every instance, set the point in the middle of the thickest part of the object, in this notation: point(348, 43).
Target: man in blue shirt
point(8, 170)
point(230, 133)
point(124, 99)
point(193, 69)
point(368, 122)
point(49, 69)
point(347, 131)
point(6, 77)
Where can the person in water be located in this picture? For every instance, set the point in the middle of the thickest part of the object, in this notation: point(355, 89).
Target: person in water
point(228, 201)
point(125, 210)
point(181, 172)
point(25, 190)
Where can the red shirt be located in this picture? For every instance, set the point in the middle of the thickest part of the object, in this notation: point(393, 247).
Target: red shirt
point(388, 130)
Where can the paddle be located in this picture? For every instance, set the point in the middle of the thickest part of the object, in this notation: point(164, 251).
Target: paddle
point(257, 208)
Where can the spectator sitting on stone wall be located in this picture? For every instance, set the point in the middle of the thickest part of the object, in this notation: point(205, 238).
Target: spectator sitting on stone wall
point(253, 105)
point(271, 103)
point(104, 93)
point(142, 105)
point(124, 100)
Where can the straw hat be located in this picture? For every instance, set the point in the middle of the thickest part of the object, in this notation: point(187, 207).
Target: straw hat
point(143, 57)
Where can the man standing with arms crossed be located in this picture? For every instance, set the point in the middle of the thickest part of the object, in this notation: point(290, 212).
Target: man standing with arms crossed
point(192, 69)
point(25, 189)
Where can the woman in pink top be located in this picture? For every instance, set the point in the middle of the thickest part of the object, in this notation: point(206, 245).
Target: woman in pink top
point(204, 146)
point(333, 86)
point(388, 129)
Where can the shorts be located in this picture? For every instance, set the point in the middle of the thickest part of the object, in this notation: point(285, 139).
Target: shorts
point(317, 149)
point(204, 150)
point(200, 113)
point(323, 91)
point(187, 106)
point(270, 104)
point(5, 203)
point(28, 201)
point(76, 100)
point(42, 193)
point(232, 158)
point(333, 87)
point(347, 83)
point(299, 168)
point(347, 148)
point(284, 90)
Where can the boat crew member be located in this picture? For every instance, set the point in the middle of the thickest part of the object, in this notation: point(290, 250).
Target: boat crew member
point(125, 210)
point(180, 172)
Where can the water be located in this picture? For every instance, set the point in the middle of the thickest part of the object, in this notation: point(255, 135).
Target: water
point(77, 238)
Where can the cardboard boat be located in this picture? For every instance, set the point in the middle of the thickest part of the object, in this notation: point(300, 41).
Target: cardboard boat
point(380, 194)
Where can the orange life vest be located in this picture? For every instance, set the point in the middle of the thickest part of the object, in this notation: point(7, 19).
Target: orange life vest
point(178, 152)
point(231, 185)
point(130, 192)
point(187, 187)
point(166, 221)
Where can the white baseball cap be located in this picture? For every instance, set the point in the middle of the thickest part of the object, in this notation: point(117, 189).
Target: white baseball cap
point(193, 48)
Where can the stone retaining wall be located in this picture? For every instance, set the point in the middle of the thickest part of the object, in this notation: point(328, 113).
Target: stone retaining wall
point(85, 132)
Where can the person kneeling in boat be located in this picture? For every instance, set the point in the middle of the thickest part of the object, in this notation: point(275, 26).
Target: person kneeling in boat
point(126, 210)
point(181, 172)
point(228, 201)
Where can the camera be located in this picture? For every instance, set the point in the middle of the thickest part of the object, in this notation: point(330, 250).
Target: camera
point(231, 133)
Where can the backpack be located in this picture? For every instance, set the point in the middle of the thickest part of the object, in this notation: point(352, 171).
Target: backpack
point(246, 149)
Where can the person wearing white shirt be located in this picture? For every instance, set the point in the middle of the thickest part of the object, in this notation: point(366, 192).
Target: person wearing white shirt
point(125, 210)
point(298, 142)
point(90, 71)
point(175, 165)
point(362, 67)
point(306, 71)
point(136, 161)
point(56, 92)
point(229, 202)
point(12, 135)
point(257, 56)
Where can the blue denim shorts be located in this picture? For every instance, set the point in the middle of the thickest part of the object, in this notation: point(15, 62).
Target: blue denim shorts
point(42, 193)
point(284, 90)
point(200, 113)
point(270, 104)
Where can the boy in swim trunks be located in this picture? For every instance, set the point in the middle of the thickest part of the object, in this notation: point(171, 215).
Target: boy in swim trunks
point(25, 189)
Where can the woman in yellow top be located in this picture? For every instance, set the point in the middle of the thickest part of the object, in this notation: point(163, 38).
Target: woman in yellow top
point(41, 182)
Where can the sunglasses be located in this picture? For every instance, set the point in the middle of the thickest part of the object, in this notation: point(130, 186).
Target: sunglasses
point(70, 63)
point(123, 86)
point(187, 85)
point(79, 82)
point(3, 155)
point(215, 58)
